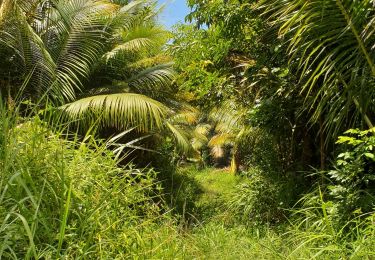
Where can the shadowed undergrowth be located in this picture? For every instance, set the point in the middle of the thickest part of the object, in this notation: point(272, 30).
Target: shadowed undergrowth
point(65, 198)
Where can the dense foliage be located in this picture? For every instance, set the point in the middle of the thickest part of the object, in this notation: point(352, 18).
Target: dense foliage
point(246, 132)
point(287, 78)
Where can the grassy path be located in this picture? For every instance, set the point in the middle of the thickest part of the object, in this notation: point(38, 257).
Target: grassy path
point(209, 230)
point(202, 196)
point(216, 185)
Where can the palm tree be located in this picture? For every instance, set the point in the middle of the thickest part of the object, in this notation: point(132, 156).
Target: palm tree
point(230, 128)
point(224, 126)
point(97, 59)
point(55, 42)
point(331, 47)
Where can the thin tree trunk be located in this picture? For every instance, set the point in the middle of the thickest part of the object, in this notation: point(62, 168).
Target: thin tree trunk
point(322, 145)
point(235, 162)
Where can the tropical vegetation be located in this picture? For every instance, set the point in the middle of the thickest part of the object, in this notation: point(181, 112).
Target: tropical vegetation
point(245, 132)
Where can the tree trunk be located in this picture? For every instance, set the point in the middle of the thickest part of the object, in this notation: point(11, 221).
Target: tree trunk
point(322, 145)
point(235, 162)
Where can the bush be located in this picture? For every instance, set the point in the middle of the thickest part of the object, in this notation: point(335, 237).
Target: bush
point(353, 179)
point(260, 151)
point(336, 218)
point(260, 198)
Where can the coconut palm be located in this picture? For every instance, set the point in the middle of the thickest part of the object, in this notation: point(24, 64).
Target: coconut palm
point(55, 42)
point(96, 58)
point(331, 46)
point(131, 86)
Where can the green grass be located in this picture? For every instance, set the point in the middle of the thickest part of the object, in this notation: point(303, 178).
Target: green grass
point(215, 183)
point(65, 198)
point(217, 234)
point(61, 198)
point(200, 195)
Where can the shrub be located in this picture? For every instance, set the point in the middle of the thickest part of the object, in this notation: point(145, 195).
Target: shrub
point(353, 179)
point(259, 199)
point(336, 218)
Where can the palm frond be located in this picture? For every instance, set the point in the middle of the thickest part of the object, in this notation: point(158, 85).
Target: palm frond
point(200, 136)
point(75, 36)
point(217, 151)
point(331, 46)
point(153, 81)
point(227, 117)
point(138, 38)
point(221, 139)
point(119, 110)
point(202, 129)
point(180, 136)
point(186, 115)
point(29, 50)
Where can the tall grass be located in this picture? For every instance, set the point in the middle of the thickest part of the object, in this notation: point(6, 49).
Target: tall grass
point(316, 233)
point(67, 197)
point(60, 197)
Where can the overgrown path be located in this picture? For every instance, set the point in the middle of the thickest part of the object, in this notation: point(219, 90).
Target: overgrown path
point(199, 194)
point(215, 185)
point(213, 228)
point(202, 198)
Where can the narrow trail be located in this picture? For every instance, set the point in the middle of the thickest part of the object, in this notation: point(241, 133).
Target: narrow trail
point(215, 184)
point(202, 198)
point(202, 194)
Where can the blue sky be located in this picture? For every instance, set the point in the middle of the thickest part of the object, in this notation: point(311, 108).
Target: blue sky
point(174, 11)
